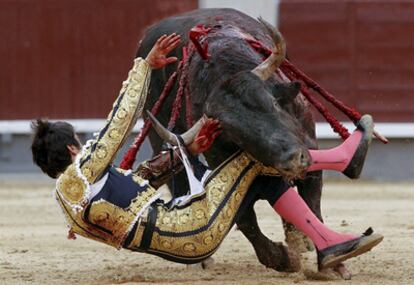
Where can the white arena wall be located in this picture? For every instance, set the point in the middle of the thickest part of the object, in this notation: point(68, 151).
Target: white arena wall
point(267, 9)
point(394, 161)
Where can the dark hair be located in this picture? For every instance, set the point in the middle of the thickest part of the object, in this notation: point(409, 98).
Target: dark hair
point(49, 146)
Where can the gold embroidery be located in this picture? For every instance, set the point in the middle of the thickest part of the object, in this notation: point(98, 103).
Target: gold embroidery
point(166, 244)
point(143, 198)
point(179, 220)
point(93, 164)
point(208, 239)
point(132, 93)
point(114, 134)
point(87, 172)
point(101, 151)
point(136, 240)
point(129, 108)
point(189, 247)
point(200, 214)
point(83, 228)
point(122, 171)
point(138, 179)
point(111, 217)
point(122, 113)
point(72, 186)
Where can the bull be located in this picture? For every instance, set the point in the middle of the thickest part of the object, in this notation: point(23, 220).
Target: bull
point(258, 113)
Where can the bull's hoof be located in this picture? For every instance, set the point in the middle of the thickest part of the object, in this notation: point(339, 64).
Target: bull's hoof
point(278, 257)
point(336, 273)
point(205, 264)
point(296, 240)
point(293, 263)
point(342, 271)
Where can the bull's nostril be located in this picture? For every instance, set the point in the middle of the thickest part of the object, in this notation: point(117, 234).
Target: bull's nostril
point(304, 160)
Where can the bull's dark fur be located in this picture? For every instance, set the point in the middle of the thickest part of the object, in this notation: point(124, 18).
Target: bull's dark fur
point(248, 109)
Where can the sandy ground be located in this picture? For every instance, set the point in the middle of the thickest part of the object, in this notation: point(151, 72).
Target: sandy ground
point(34, 248)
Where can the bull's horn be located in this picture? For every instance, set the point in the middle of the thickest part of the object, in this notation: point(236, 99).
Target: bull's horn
point(170, 137)
point(272, 63)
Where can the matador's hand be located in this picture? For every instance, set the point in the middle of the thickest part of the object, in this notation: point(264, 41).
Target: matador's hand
point(157, 57)
point(205, 137)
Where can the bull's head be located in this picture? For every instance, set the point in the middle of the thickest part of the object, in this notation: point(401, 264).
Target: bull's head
point(251, 115)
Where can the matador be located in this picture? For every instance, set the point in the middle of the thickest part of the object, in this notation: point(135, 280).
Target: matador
point(124, 209)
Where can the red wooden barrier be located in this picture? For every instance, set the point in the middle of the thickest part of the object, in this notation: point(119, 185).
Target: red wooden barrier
point(362, 51)
point(67, 58)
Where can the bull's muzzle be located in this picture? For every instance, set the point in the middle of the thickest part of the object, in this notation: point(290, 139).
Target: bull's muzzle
point(297, 165)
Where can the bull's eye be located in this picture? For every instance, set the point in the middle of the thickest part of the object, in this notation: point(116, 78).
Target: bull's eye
point(276, 104)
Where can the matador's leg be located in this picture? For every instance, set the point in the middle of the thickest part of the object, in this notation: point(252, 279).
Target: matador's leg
point(158, 170)
point(191, 232)
point(349, 157)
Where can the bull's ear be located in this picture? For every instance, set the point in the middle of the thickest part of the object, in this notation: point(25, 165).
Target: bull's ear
point(285, 93)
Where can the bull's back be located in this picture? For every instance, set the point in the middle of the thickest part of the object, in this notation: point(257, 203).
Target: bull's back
point(182, 23)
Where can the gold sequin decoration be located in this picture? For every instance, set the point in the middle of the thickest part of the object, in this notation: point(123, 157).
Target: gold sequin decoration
point(143, 198)
point(87, 172)
point(122, 113)
point(132, 93)
point(101, 151)
point(138, 179)
point(73, 189)
point(200, 214)
point(166, 244)
point(114, 134)
point(111, 217)
point(207, 240)
point(189, 247)
point(125, 114)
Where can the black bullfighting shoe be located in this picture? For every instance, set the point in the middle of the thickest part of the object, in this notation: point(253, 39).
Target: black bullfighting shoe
point(354, 168)
point(333, 255)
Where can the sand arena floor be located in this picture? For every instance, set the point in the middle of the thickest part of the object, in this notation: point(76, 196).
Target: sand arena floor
point(34, 248)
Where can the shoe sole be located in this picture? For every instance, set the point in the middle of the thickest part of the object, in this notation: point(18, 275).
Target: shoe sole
point(368, 126)
point(365, 245)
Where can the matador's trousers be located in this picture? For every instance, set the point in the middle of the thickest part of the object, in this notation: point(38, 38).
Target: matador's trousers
point(193, 231)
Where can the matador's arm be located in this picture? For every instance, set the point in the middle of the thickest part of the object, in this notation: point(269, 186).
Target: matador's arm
point(159, 169)
point(99, 153)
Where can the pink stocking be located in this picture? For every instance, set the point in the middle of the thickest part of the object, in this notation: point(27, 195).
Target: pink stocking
point(291, 207)
point(337, 158)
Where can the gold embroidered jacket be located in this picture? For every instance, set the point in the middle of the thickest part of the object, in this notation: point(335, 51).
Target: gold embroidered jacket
point(101, 220)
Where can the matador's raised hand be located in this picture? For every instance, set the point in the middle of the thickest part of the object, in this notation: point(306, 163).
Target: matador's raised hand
point(209, 132)
point(157, 57)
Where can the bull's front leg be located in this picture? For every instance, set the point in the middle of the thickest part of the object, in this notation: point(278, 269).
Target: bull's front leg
point(271, 254)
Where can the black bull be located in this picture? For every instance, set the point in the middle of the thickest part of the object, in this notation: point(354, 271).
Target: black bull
point(241, 107)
